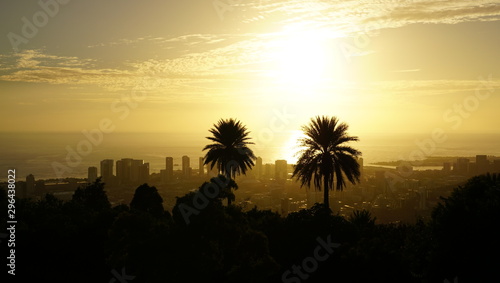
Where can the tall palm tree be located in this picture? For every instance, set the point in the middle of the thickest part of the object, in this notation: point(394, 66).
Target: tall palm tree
point(326, 156)
point(229, 152)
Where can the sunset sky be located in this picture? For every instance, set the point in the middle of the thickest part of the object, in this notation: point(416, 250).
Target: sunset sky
point(179, 66)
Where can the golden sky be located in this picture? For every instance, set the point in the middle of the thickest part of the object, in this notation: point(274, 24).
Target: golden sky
point(179, 66)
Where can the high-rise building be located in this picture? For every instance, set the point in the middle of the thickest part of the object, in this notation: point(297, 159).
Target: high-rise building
point(186, 168)
point(280, 170)
point(92, 174)
point(143, 173)
point(169, 169)
point(482, 164)
point(123, 170)
point(201, 169)
point(134, 169)
point(268, 170)
point(462, 166)
point(107, 169)
point(30, 185)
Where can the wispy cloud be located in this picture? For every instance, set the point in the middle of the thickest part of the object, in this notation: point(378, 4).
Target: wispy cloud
point(447, 12)
point(347, 16)
point(436, 87)
point(206, 58)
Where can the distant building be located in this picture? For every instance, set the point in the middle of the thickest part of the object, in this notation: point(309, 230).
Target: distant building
point(139, 171)
point(482, 164)
point(268, 171)
point(462, 166)
point(133, 171)
point(201, 170)
point(92, 174)
point(280, 170)
point(169, 169)
point(143, 173)
point(123, 170)
point(496, 165)
point(472, 168)
point(107, 169)
point(186, 167)
point(120, 171)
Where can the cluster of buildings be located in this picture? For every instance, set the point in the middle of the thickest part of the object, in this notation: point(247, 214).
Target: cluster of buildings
point(465, 167)
point(128, 171)
point(135, 171)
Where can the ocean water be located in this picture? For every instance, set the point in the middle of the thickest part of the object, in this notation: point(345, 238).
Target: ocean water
point(36, 153)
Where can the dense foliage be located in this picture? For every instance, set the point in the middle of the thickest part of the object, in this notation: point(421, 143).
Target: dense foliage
point(85, 240)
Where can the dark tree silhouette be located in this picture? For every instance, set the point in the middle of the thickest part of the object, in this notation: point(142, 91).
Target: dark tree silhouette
point(465, 235)
point(326, 156)
point(362, 218)
point(147, 199)
point(92, 196)
point(230, 151)
point(225, 186)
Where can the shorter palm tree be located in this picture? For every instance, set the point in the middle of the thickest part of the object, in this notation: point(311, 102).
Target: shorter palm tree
point(230, 151)
point(326, 157)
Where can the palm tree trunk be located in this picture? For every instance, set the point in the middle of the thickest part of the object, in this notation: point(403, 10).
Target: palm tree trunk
point(228, 176)
point(326, 200)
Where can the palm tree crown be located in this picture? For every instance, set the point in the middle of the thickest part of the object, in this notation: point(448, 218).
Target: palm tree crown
point(326, 156)
point(229, 152)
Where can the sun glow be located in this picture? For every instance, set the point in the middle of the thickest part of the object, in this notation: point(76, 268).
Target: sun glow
point(305, 58)
point(291, 147)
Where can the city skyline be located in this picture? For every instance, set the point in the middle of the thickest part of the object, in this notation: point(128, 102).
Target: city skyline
point(480, 164)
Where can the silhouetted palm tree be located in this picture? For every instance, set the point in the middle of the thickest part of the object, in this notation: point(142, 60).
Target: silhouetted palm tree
point(229, 152)
point(326, 156)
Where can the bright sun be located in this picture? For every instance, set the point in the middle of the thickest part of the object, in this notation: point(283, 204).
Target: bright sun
point(304, 58)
